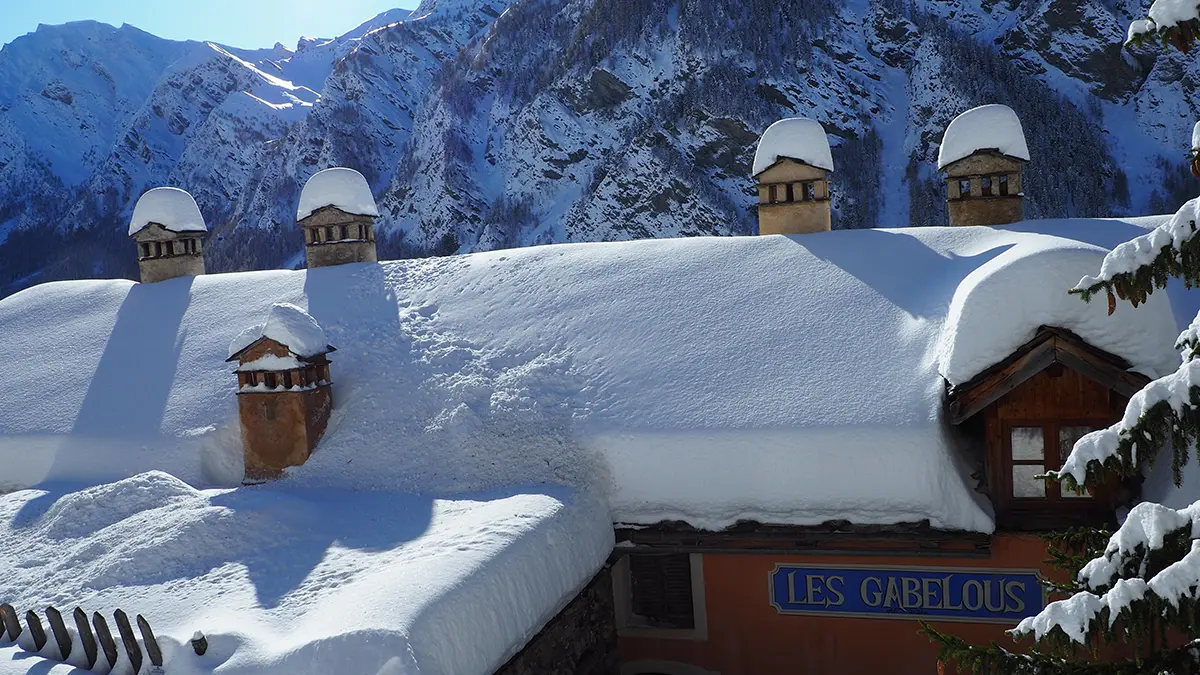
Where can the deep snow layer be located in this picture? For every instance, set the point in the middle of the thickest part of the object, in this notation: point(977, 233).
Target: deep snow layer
point(170, 207)
point(795, 138)
point(340, 187)
point(787, 380)
point(283, 580)
point(986, 127)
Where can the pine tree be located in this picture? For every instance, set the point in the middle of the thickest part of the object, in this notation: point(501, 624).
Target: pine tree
point(1138, 589)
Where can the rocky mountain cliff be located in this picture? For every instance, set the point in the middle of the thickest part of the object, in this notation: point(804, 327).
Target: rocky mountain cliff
point(483, 124)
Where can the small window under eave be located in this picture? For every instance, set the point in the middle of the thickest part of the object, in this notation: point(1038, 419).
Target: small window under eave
point(1029, 410)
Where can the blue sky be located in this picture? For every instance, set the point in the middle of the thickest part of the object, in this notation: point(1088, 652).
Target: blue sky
point(240, 23)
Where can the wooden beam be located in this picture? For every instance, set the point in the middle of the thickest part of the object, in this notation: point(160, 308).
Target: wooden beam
point(973, 399)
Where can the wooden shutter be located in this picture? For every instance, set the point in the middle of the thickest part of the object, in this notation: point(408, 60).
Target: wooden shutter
point(661, 590)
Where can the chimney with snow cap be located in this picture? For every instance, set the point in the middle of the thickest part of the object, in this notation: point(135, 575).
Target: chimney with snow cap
point(982, 154)
point(284, 390)
point(792, 167)
point(337, 214)
point(169, 232)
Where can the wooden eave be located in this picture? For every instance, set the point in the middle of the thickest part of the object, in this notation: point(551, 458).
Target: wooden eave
point(164, 228)
point(982, 151)
point(1049, 346)
point(243, 350)
point(782, 158)
point(831, 538)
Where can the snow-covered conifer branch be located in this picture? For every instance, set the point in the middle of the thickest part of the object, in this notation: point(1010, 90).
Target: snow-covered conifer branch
point(1133, 270)
point(1175, 23)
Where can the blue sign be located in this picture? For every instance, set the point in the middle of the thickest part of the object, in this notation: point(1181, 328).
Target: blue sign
point(944, 594)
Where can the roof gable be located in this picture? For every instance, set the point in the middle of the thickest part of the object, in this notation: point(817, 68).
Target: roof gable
point(1049, 346)
point(264, 339)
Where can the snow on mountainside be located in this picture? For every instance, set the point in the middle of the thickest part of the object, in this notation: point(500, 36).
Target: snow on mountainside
point(482, 124)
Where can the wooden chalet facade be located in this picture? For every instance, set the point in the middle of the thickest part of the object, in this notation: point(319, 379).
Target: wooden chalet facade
point(843, 598)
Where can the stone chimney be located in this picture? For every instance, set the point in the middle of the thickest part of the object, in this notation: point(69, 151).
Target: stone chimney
point(792, 167)
point(285, 391)
point(169, 232)
point(337, 214)
point(982, 154)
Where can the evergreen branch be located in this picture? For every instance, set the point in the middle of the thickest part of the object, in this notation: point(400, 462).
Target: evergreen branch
point(1181, 35)
point(1135, 286)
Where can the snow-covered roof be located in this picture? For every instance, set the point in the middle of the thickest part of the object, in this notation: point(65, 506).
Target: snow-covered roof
point(299, 582)
point(797, 138)
point(288, 325)
point(988, 127)
point(170, 207)
point(806, 359)
point(341, 187)
point(804, 385)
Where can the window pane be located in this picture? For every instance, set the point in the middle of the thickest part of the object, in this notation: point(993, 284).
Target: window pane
point(1028, 443)
point(964, 188)
point(1024, 484)
point(1067, 437)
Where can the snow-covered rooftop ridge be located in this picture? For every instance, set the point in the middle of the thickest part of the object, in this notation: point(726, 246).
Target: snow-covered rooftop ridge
point(590, 362)
point(288, 325)
point(171, 207)
point(797, 138)
point(988, 127)
point(344, 188)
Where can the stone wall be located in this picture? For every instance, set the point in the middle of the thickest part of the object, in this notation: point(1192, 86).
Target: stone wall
point(794, 218)
point(174, 264)
point(339, 253)
point(323, 250)
point(160, 269)
point(977, 208)
point(986, 211)
point(580, 640)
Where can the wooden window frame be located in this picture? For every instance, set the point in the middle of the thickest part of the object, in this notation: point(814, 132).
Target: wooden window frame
point(1053, 503)
point(628, 624)
point(985, 186)
point(961, 194)
point(1003, 185)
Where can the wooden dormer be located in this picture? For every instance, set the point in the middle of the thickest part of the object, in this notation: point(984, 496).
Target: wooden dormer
point(1029, 410)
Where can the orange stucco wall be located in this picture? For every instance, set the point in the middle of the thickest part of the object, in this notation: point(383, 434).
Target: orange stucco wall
point(747, 636)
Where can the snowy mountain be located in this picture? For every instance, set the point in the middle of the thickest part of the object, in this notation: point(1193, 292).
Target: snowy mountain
point(483, 124)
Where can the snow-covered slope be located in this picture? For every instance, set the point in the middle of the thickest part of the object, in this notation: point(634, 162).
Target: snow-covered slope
point(482, 124)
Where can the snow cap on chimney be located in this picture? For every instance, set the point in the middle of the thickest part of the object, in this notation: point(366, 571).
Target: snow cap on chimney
point(797, 138)
point(170, 207)
point(343, 188)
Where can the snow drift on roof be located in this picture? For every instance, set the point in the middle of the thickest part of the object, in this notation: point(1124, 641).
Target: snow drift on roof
point(797, 138)
point(297, 582)
point(288, 325)
point(983, 128)
point(340, 187)
point(170, 207)
point(999, 305)
point(803, 385)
